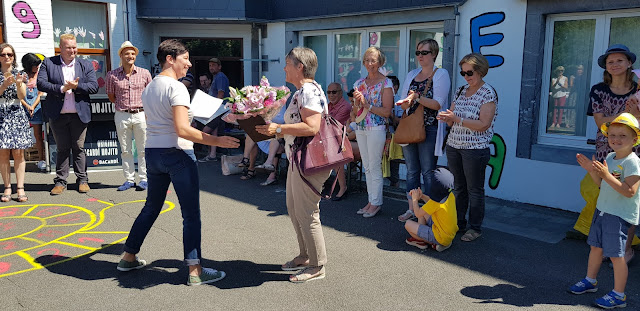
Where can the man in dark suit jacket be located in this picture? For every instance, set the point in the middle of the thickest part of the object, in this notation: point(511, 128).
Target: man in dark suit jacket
point(68, 81)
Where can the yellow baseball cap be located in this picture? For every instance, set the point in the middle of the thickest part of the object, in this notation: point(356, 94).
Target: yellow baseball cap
point(626, 119)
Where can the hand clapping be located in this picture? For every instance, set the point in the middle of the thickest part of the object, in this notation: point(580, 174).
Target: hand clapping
point(593, 165)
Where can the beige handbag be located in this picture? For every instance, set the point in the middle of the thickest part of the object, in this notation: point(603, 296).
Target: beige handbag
point(230, 164)
point(411, 127)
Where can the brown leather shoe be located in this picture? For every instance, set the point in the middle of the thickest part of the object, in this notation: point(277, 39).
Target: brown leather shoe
point(83, 188)
point(57, 190)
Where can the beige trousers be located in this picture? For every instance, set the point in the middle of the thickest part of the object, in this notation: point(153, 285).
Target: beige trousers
point(303, 207)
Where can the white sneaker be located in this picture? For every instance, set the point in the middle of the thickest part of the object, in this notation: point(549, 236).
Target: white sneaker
point(42, 165)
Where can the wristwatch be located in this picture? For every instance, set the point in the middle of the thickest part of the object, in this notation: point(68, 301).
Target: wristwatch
point(278, 130)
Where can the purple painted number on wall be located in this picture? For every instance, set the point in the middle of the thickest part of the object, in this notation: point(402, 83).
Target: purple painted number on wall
point(23, 12)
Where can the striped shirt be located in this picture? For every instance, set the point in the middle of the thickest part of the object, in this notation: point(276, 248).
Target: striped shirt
point(128, 90)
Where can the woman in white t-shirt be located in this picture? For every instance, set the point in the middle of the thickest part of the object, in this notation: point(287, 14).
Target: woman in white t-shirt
point(471, 117)
point(302, 118)
point(170, 159)
point(559, 93)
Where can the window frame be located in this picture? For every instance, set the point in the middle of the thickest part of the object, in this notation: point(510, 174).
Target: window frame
point(103, 52)
point(403, 59)
point(601, 42)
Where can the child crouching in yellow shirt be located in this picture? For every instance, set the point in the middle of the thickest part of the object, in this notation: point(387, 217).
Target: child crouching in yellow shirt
point(437, 219)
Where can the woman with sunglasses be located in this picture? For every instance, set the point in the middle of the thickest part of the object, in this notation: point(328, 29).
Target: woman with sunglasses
point(428, 86)
point(471, 117)
point(373, 101)
point(15, 134)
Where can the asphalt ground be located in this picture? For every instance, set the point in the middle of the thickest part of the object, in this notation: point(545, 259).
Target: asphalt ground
point(247, 233)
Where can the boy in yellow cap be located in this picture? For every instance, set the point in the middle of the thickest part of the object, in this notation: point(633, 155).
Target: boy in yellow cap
point(616, 210)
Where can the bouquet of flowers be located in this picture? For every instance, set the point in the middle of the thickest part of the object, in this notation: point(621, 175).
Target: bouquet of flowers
point(251, 101)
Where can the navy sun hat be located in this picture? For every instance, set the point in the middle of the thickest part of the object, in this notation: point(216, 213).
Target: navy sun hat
point(441, 185)
point(616, 48)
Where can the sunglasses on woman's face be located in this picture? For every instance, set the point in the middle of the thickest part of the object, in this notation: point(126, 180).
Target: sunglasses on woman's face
point(423, 53)
point(466, 73)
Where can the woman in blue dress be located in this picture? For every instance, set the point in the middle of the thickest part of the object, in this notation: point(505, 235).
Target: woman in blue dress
point(31, 103)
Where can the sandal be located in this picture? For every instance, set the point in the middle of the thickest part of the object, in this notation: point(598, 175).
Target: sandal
point(470, 235)
point(305, 275)
point(6, 197)
point(268, 182)
point(291, 265)
point(244, 162)
point(266, 167)
point(22, 197)
point(248, 174)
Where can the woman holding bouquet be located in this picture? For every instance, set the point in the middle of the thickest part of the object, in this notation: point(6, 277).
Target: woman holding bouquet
point(372, 106)
point(170, 159)
point(302, 118)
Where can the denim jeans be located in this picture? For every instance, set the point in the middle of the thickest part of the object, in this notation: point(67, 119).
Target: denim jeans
point(468, 167)
point(165, 166)
point(420, 160)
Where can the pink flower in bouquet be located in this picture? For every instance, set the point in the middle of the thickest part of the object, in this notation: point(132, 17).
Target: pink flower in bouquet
point(264, 82)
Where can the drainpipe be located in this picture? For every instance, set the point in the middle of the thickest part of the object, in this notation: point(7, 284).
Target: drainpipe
point(126, 20)
point(456, 37)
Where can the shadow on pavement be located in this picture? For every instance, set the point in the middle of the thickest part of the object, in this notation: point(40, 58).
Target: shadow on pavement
point(164, 271)
point(543, 270)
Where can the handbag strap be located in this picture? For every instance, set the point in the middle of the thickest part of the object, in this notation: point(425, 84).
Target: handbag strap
point(333, 187)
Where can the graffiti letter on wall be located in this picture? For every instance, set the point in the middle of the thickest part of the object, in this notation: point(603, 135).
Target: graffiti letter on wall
point(490, 39)
point(496, 161)
point(23, 12)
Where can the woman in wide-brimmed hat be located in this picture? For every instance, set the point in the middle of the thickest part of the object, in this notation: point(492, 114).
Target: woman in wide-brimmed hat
point(608, 100)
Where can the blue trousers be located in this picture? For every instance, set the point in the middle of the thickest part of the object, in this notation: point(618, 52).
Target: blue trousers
point(165, 166)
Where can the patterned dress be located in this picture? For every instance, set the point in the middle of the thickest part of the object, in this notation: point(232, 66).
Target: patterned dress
point(14, 123)
point(609, 104)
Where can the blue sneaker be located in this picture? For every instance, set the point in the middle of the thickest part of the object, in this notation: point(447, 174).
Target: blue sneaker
point(126, 186)
point(583, 286)
point(142, 186)
point(612, 300)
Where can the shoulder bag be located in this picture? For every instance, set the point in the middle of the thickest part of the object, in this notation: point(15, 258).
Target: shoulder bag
point(328, 149)
point(411, 127)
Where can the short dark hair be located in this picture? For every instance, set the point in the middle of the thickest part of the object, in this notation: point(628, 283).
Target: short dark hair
point(394, 80)
point(171, 47)
point(206, 73)
point(30, 60)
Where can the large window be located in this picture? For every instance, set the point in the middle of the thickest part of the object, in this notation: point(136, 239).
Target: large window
point(340, 52)
point(88, 22)
point(573, 45)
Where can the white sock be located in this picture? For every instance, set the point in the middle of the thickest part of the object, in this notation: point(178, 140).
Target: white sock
point(621, 295)
point(592, 281)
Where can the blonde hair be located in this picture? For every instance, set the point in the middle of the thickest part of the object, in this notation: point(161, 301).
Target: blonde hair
point(433, 45)
point(67, 36)
point(307, 57)
point(381, 58)
point(478, 61)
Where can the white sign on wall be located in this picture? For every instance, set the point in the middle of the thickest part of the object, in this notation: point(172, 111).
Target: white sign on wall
point(29, 26)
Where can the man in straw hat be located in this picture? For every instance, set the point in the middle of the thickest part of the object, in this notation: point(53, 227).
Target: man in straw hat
point(617, 208)
point(124, 88)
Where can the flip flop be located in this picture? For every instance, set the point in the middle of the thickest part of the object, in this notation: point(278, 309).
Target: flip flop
point(470, 235)
point(291, 266)
point(304, 276)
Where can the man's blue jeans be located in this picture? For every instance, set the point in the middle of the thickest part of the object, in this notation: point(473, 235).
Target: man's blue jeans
point(468, 167)
point(420, 160)
point(165, 166)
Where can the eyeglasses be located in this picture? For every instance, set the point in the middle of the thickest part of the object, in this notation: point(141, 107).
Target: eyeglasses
point(466, 73)
point(6, 54)
point(370, 61)
point(332, 92)
point(423, 53)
